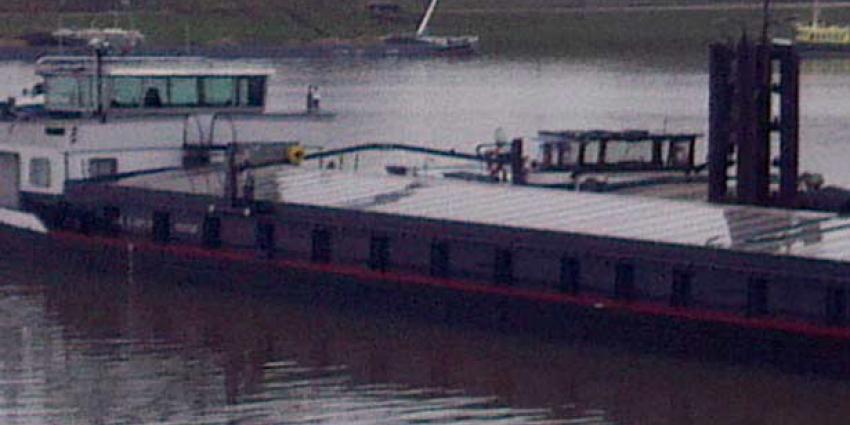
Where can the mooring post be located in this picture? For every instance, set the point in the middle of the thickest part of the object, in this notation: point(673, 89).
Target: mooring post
point(763, 123)
point(517, 163)
point(789, 125)
point(741, 121)
point(752, 126)
point(99, 52)
point(231, 188)
point(744, 129)
point(719, 118)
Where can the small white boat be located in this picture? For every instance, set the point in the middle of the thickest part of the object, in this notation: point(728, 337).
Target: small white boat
point(818, 35)
point(460, 44)
point(118, 40)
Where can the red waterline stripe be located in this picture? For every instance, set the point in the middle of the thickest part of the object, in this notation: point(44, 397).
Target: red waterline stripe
point(471, 287)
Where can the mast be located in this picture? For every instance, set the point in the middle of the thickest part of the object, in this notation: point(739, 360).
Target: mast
point(765, 29)
point(423, 25)
point(815, 13)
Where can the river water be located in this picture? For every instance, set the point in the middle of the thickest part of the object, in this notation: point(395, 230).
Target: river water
point(93, 348)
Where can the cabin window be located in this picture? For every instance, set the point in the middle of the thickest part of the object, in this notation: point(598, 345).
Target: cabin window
point(265, 238)
point(126, 92)
point(252, 91)
point(757, 297)
point(836, 306)
point(184, 91)
point(69, 92)
point(218, 91)
point(211, 232)
point(680, 291)
point(590, 153)
point(54, 131)
point(503, 267)
point(440, 259)
point(624, 282)
point(679, 154)
point(567, 154)
point(61, 91)
point(99, 167)
point(321, 252)
point(155, 93)
point(85, 91)
point(379, 253)
point(570, 275)
point(161, 227)
point(629, 152)
point(242, 91)
point(40, 172)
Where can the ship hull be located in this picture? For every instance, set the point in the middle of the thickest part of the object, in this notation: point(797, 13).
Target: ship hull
point(823, 49)
point(455, 302)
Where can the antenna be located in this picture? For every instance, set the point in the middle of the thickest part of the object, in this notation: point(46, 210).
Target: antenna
point(765, 27)
point(815, 13)
point(423, 25)
point(61, 15)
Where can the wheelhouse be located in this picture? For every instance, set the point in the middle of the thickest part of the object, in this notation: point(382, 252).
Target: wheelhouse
point(149, 85)
point(615, 151)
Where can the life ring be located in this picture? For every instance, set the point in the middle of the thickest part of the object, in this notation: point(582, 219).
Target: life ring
point(295, 155)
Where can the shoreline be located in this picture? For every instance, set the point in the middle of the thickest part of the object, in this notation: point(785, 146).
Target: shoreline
point(560, 30)
point(627, 8)
point(374, 50)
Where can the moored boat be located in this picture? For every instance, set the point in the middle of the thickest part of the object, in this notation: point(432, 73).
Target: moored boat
point(643, 263)
point(425, 43)
point(818, 36)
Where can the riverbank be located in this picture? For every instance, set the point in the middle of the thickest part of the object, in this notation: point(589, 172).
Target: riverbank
point(536, 28)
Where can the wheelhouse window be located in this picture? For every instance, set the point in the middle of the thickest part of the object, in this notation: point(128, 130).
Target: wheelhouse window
point(156, 92)
point(68, 92)
point(40, 172)
point(174, 91)
point(252, 91)
point(218, 91)
point(184, 91)
point(126, 92)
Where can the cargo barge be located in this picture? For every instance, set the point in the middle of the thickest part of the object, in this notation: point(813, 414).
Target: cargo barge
point(737, 266)
point(749, 263)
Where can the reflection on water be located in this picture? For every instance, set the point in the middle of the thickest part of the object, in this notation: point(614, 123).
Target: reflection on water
point(82, 347)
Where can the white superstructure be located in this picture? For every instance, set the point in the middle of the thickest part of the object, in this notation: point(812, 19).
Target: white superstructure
point(104, 116)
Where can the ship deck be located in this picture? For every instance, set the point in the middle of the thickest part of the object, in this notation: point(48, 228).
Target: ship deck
point(804, 234)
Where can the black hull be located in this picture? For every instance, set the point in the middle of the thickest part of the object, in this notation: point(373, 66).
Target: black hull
point(457, 303)
point(836, 51)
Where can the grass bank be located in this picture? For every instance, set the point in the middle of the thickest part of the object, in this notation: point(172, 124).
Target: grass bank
point(506, 27)
point(515, 28)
